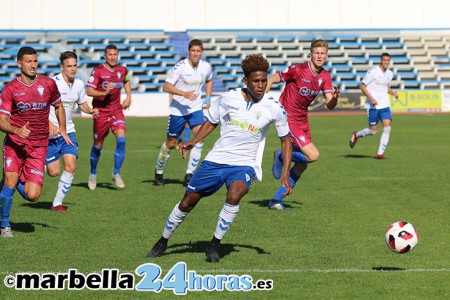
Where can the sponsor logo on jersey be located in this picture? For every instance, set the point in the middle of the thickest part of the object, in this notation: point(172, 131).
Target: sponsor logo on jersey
point(305, 91)
point(36, 172)
point(21, 106)
point(68, 103)
point(245, 125)
point(116, 84)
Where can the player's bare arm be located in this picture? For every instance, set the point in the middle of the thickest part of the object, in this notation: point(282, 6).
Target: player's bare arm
point(171, 89)
point(271, 80)
point(202, 133)
point(53, 130)
point(331, 99)
point(61, 116)
point(127, 102)
point(94, 93)
point(392, 92)
point(208, 88)
point(363, 89)
point(286, 148)
point(86, 109)
point(6, 127)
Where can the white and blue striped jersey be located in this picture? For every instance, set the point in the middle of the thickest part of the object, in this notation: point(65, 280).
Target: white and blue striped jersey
point(244, 125)
point(377, 83)
point(70, 95)
point(186, 78)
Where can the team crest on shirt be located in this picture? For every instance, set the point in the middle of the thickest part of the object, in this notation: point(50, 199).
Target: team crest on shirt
point(8, 162)
point(302, 138)
point(119, 75)
point(40, 90)
point(320, 81)
point(258, 115)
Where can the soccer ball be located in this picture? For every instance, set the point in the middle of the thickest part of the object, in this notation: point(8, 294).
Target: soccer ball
point(401, 237)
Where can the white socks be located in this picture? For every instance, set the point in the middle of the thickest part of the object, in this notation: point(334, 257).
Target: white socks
point(175, 219)
point(365, 132)
point(163, 157)
point(384, 139)
point(226, 218)
point(64, 184)
point(194, 158)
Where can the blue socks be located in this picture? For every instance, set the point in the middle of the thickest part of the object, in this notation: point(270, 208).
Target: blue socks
point(21, 189)
point(119, 154)
point(293, 178)
point(6, 198)
point(186, 134)
point(95, 156)
point(298, 156)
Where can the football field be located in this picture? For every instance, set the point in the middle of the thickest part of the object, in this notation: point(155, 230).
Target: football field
point(329, 244)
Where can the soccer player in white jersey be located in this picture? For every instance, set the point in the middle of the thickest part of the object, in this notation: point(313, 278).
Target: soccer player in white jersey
point(375, 86)
point(244, 116)
point(185, 82)
point(73, 93)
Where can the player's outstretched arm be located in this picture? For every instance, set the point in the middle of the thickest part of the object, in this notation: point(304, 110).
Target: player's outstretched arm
point(272, 79)
point(286, 148)
point(202, 133)
point(86, 109)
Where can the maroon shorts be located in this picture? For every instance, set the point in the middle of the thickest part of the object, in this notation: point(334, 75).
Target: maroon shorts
point(26, 160)
point(105, 121)
point(300, 135)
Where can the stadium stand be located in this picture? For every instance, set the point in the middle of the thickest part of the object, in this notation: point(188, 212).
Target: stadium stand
point(419, 61)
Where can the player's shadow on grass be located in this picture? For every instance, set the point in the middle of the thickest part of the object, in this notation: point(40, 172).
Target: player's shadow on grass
point(388, 269)
point(200, 247)
point(101, 185)
point(287, 204)
point(42, 204)
point(166, 181)
point(38, 205)
point(28, 227)
point(355, 156)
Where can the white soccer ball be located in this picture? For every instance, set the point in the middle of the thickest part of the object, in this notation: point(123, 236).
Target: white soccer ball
point(401, 237)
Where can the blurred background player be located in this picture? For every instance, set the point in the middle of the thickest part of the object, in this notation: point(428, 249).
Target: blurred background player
point(73, 92)
point(304, 82)
point(105, 85)
point(24, 110)
point(232, 159)
point(375, 86)
point(185, 82)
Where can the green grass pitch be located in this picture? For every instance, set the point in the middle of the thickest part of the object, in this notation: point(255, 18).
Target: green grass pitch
point(328, 245)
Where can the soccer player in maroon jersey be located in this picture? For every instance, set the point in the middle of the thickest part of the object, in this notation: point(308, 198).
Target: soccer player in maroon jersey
point(105, 85)
point(304, 82)
point(24, 110)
